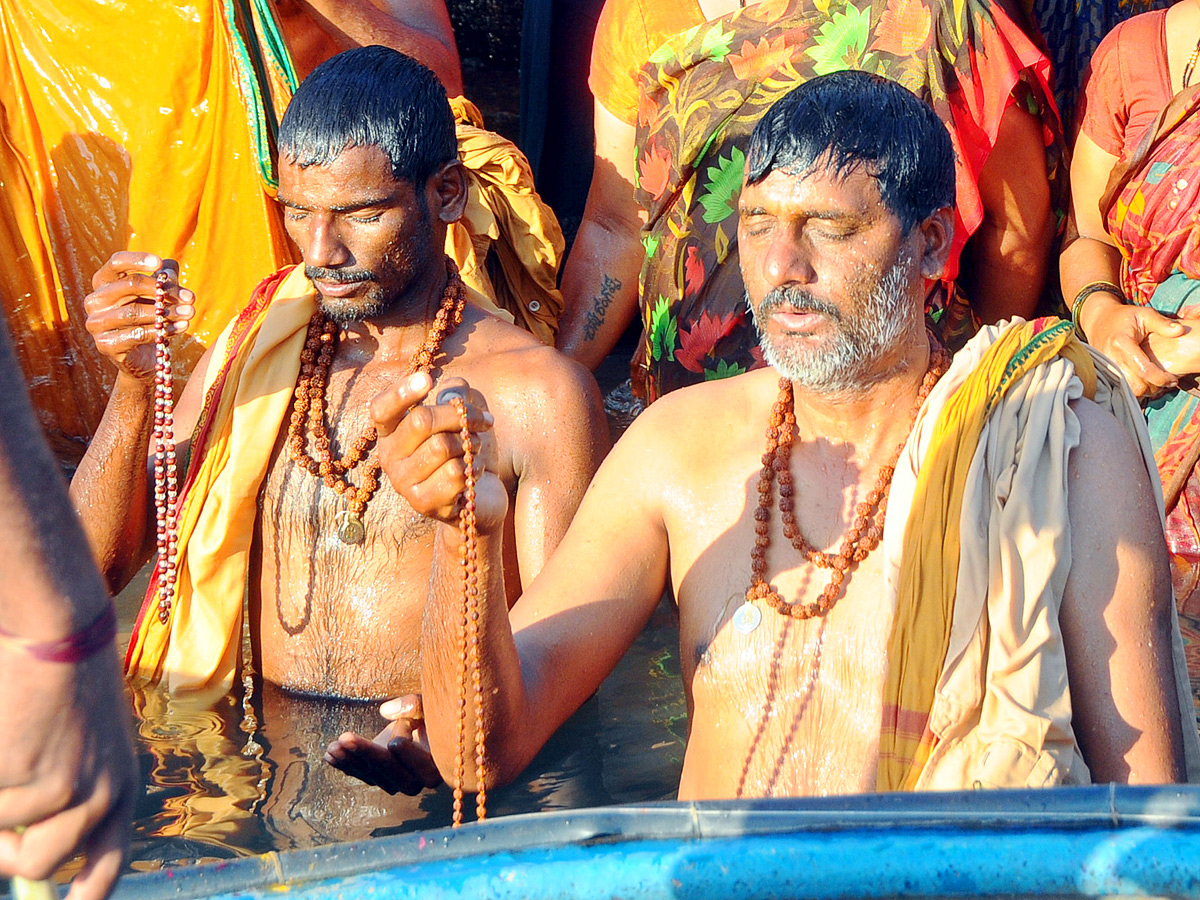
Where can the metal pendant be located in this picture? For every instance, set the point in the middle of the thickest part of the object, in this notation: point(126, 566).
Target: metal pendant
point(747, 617)
point(350, 528)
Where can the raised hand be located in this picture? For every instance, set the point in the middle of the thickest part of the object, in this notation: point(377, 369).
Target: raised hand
point(421, 450)
point(120, 310)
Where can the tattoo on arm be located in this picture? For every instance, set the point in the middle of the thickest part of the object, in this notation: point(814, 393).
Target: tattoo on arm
point(595, 317)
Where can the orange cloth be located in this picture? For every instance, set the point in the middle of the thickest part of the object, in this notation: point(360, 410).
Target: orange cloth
point(627, 32)
point(1127, 84)
point(107, 147)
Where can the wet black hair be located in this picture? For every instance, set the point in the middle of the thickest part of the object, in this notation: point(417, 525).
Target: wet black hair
point(850, 119)
point(371, 97)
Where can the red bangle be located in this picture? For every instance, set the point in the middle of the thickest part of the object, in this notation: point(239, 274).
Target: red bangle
point(74, 648)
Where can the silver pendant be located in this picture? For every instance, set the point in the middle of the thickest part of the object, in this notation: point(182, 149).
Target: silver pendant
point(350, 528)
point(747, 617)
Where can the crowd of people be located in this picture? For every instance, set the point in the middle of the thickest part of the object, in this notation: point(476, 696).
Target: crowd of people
point(917, 445)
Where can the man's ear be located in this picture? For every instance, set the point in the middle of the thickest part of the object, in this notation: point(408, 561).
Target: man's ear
point(446, 191)
point(937, 233)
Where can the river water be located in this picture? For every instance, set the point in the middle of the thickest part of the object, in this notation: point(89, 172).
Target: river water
point(218, 784)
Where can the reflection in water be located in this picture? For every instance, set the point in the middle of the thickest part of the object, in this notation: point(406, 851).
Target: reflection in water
point(220, 783)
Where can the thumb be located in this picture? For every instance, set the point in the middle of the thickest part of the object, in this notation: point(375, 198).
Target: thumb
point(407, 706)
point(389, 406)
point(1154, 322)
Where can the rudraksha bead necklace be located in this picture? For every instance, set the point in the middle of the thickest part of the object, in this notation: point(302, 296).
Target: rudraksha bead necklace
point(865, 531)
point(166, 474)
point(316, 360)
point(468, 633)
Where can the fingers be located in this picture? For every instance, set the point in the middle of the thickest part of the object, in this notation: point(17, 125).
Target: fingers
point(380, 766)
point(415, 759)
point(389, 407)
point(1151, 321)
point(125, 263)
point(106, 853)
point(46, 844)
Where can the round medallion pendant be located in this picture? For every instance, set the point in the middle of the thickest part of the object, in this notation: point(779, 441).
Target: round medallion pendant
point(747, 617)
point(350, 528)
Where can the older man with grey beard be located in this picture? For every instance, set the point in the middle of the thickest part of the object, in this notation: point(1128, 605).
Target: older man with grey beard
point(893, 570)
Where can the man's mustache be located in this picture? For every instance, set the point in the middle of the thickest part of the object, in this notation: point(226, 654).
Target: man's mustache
point(796, 299)
point(338, 276)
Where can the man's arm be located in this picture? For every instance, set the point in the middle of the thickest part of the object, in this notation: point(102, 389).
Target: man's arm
point(557, 436)
point(67, 775)
point(574, 621)
point(419, 28)
point(110, 487)
point(1116, 612)
point(1010, 252)
point(599, 285)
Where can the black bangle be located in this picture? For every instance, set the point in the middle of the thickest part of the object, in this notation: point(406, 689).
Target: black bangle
point(1086, 291)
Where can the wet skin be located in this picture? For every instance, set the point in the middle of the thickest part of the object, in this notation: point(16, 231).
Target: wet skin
point(675, 500)
point(329, 618)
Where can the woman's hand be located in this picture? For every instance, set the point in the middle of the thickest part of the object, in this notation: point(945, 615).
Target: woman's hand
point(1133, 337)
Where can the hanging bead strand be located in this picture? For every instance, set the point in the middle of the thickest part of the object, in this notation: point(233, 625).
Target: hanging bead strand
point(166, 478)
point(469, 663)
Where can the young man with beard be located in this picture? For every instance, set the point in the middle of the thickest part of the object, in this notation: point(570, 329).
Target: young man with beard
point(991, 606)
point(282, 493)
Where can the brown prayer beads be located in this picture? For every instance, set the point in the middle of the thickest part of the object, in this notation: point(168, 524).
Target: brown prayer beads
point(166, 473)
point(468, 634)
point(316, 360)
point(866, 530)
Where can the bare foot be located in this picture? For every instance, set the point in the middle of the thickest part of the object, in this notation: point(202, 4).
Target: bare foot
point(397, 760)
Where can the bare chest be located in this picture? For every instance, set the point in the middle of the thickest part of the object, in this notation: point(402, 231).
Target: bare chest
point(780, 706)
point(340, 587)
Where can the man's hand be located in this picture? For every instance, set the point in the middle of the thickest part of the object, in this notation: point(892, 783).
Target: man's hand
point(421, 450)
point(398, 760)
point(66, 770)
point(120, 310)
point(1121, 334)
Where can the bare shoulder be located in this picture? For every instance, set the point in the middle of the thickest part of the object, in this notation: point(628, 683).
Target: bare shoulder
point(511, 366)
point(1110, 482)
point(681, 431)
point(1104, 443)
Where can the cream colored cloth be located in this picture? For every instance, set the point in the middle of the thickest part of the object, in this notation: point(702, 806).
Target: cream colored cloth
point(1002, 710)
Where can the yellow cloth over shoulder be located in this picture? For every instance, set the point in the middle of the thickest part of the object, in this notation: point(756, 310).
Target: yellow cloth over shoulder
point(930, 561)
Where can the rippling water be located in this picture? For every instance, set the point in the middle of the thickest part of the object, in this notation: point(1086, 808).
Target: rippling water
point(220, 784)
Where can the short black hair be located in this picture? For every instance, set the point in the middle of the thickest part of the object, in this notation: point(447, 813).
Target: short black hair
point(850, 119)
point(371, 97)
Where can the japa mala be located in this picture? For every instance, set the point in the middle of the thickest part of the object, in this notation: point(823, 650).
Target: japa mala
point(468, 632)
point(166, 474)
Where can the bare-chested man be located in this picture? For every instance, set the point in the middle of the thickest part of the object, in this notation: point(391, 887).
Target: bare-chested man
point(337, 573)
point(1014, 625)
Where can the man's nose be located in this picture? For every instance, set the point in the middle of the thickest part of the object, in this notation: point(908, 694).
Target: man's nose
point(324, 247)
point(788, 260)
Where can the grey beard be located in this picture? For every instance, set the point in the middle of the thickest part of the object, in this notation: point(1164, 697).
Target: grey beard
point(842, 364)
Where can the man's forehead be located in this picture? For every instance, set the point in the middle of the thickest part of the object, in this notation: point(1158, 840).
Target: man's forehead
point(364, 171)
point(852, 186)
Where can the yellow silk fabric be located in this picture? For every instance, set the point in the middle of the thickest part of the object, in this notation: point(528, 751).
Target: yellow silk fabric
point(929, 570)
point(508, 244)
point(199, 646)
point(123, 126)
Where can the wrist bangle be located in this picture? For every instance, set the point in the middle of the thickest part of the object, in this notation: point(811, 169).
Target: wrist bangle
point(74, 648)
point(1086, 291)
